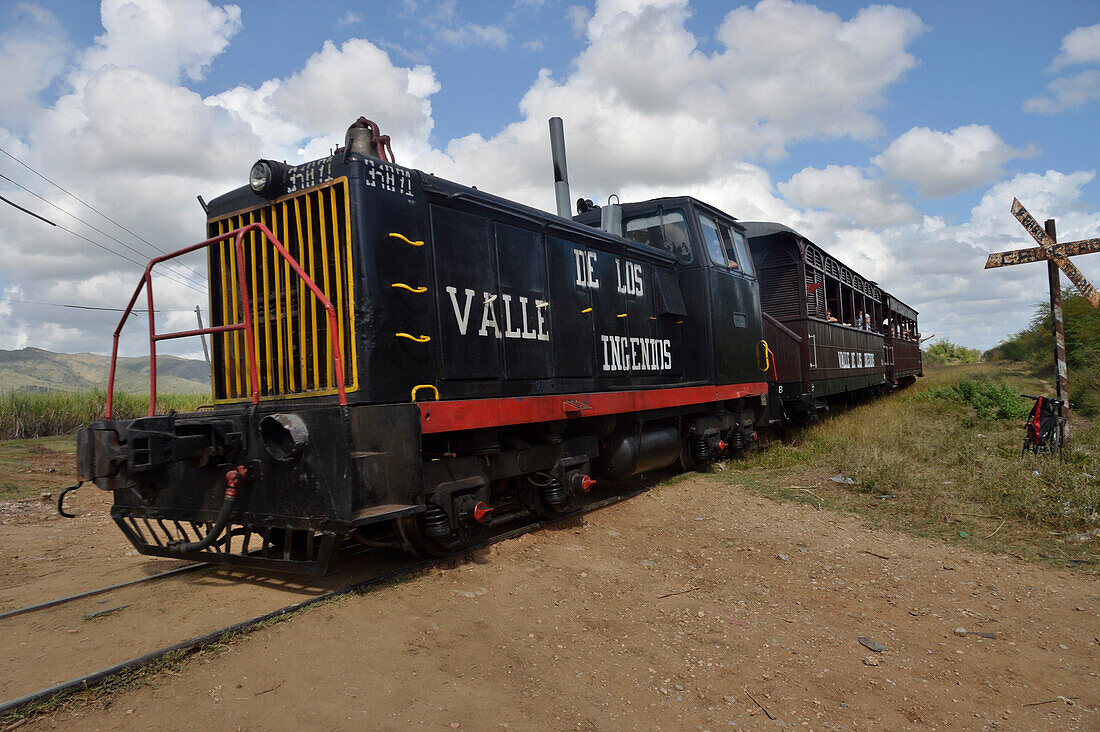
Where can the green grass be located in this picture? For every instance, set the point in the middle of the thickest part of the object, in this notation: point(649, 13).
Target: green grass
point(950, 465)
point(26, 415)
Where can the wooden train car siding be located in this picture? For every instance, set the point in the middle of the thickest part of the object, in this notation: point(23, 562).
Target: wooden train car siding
point(831, 330)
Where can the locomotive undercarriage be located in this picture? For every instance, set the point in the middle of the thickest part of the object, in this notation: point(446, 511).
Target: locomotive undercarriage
point(284, 491)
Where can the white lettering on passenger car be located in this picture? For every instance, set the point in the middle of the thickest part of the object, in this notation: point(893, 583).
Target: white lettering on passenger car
point(855, 359)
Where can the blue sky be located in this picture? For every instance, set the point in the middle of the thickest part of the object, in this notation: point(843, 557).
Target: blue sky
point(893, 135)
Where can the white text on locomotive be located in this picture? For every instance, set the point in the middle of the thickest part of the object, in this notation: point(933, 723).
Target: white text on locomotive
point(631, 284)
point(636, 354)
point(518, 318)
point(586, 261)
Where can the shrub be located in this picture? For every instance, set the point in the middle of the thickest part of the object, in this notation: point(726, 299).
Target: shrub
point(989, 399)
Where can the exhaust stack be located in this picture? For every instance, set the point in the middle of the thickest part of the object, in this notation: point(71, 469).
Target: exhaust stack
point(561, 175)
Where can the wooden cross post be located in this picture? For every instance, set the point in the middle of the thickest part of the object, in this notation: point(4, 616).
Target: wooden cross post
point(1057, 257)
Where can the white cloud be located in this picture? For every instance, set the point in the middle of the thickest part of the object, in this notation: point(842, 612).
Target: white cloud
point(36, 48)
point(846, 190)
point(644, 106)
point(168, 39)
point(472, 34)
point(187, 138)
point(311, 109)
point(940, 267)
point(946, 163)
point(578, 17)
point(1081, 46)
point(349, 18)
point(145, 171)
point(1068, 92)
point(449, 29)
point(808, 72)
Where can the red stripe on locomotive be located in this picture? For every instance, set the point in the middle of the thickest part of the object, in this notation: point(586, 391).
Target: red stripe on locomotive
point(469, 414)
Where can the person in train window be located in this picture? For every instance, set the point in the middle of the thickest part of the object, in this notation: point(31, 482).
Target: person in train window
point(859, 320)
point(829, 316)
point(867, 321)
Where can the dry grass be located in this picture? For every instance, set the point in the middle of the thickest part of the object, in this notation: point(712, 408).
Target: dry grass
point(936, 467)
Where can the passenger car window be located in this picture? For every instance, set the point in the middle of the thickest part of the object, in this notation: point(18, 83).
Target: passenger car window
point(713, 241)
point(664, 230)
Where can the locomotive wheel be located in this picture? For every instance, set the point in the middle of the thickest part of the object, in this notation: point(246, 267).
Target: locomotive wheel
point(411, 531)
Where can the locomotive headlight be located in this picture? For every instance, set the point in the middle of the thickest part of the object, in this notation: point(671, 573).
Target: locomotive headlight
point(267, 178)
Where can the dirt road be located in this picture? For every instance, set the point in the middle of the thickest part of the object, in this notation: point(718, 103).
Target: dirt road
point(696, 605)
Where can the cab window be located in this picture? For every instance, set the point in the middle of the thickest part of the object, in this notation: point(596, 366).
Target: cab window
point(733, 241)
point(743, 253)
point(713, 241)
point(663, 230)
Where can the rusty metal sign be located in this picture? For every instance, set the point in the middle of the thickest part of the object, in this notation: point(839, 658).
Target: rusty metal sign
point(1038, 254)
point(1050, 251)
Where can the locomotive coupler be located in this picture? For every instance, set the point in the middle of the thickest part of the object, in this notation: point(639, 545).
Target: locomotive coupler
point(61, 500)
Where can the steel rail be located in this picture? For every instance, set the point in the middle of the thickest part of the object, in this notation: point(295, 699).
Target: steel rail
point(192, 644)
point(101, 590)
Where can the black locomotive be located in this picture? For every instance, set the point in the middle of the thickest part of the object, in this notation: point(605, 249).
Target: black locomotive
point(407, 360)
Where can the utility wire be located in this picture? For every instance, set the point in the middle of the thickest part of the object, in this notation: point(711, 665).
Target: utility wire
point(101, 246)
point(91, 307)
point(26, 211)
point(93, 208)
point(93, 228)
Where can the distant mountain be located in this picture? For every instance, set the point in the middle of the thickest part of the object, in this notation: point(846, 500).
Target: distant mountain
point(33, 369)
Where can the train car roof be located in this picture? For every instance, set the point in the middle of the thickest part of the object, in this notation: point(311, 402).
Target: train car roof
point(763, 229)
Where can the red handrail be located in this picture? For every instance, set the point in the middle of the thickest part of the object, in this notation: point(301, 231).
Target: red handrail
point(254, 381)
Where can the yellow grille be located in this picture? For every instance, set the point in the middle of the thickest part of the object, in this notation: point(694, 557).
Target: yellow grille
point(290, 326)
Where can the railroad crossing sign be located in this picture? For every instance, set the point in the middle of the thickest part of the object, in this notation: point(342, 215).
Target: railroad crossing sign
point(1057, 257)
point(1049, 250)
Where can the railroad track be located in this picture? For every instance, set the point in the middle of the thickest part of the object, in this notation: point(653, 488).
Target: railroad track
point(102, 590)
point(407, 566)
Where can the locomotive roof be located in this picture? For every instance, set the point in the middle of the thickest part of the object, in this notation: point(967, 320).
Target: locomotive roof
point(763, 229)
point(451, 190)
point(592, 218)
point(243, 198)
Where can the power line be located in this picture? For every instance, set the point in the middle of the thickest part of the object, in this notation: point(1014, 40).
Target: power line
point(93, 208)
point(93, 228)
point(92, 307)
point(101, 246)
point(26, 211)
